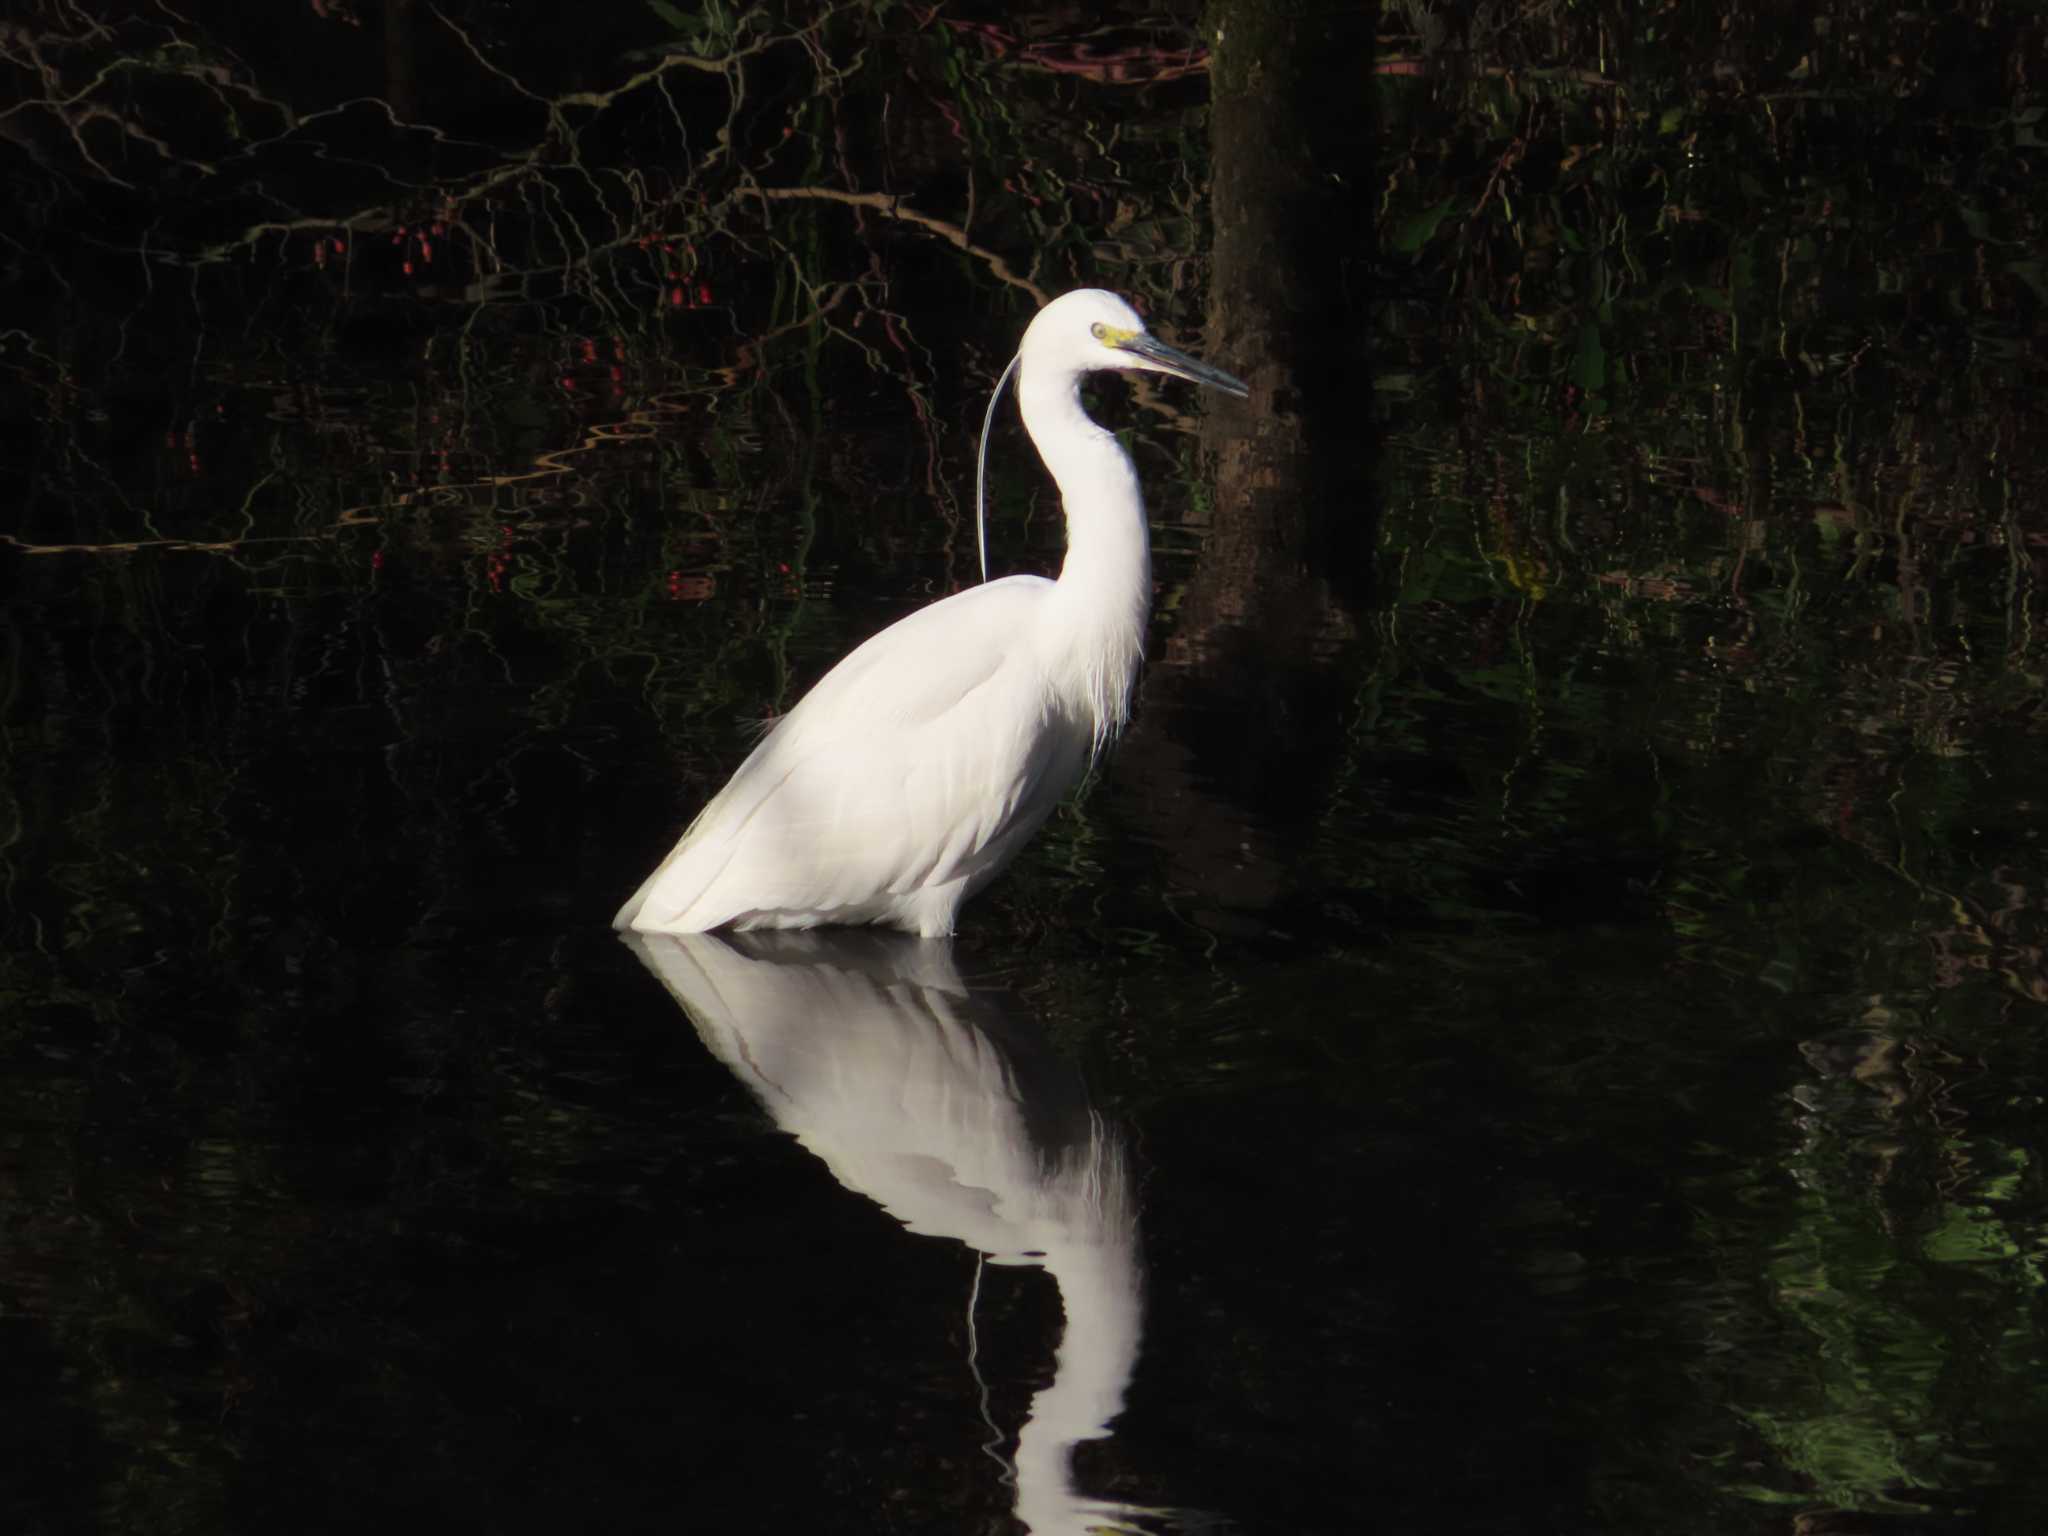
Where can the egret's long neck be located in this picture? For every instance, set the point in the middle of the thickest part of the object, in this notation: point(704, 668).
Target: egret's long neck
point(1105, 587)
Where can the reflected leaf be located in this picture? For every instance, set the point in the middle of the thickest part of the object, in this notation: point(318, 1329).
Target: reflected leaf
point(1417, 230)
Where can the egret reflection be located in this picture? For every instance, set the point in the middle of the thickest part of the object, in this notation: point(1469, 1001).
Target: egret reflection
point(869, 1050)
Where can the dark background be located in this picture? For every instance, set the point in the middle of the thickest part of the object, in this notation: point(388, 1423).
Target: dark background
point(1563, 937)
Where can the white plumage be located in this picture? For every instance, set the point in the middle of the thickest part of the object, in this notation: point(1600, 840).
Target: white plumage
point(917, 767)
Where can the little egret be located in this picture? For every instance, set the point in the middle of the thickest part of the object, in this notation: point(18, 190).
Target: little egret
point(918, 766)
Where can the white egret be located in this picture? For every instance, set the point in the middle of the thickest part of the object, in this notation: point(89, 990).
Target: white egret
point(917, 767)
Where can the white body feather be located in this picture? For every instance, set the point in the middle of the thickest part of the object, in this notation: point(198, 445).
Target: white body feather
point(918, 766)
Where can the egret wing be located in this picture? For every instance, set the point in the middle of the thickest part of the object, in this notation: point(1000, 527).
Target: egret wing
point(921, 759)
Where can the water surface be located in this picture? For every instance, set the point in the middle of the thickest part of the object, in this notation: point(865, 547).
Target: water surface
point(1536, 1028)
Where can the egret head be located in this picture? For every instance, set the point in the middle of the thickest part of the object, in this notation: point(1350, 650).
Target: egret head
point(1088, 329)
point(1078, 333)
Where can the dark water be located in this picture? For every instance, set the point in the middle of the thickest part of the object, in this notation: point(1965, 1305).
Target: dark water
point(1539, 1026)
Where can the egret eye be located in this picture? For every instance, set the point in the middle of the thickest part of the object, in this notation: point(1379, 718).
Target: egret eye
point(1099, 331)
